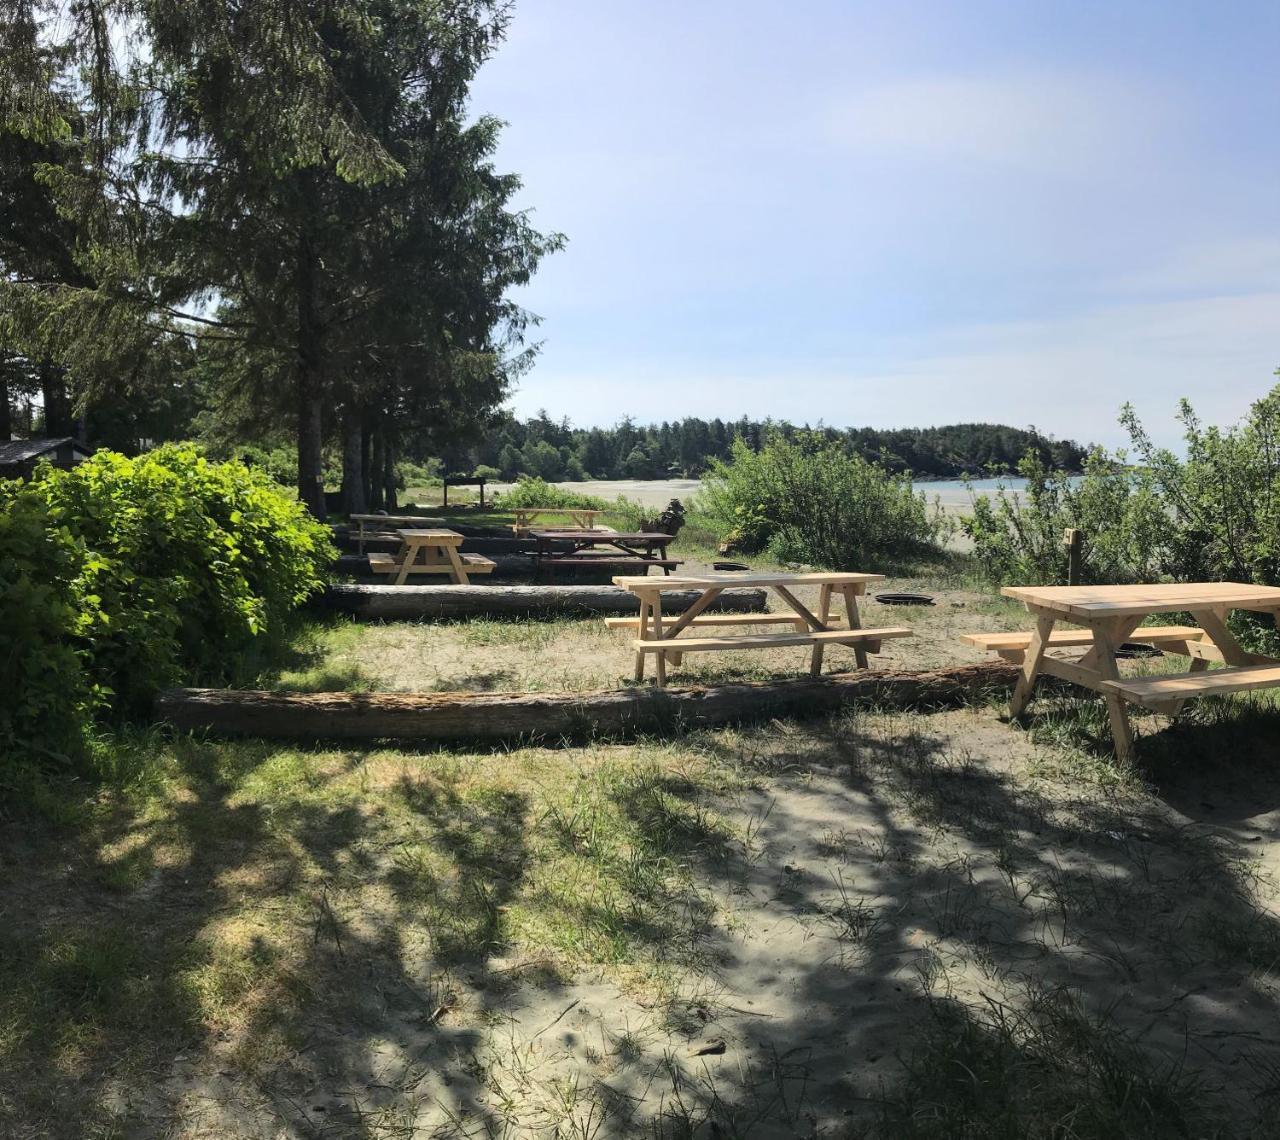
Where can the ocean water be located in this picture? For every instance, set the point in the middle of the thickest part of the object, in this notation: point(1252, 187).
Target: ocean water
point(957, 491)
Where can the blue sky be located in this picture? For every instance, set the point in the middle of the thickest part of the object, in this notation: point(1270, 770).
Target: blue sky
point(898, 213)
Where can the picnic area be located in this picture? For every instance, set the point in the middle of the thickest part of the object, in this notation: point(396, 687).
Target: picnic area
point(764, 845)
point(610, 572)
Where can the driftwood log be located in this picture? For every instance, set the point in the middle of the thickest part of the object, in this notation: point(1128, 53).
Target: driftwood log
point(408, 602)
point(497, 717)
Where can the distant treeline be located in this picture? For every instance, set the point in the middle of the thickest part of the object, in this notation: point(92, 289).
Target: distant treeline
point(555, 450)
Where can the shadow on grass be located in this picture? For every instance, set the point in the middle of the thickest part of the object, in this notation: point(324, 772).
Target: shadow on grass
point(1078, 965)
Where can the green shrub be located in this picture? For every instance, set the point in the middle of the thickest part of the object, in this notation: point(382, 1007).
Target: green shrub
point(807, 499)
point(126, 575)
point(1211, 516)
point(46, 692)
point(281, 463)
point(1017, 536)
point(531, 492)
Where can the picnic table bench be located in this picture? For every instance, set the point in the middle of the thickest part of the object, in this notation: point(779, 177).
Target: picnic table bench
point(816, 631)
point(389, 520)
point(592, 549)
point(1107, 616)
point(579, 518)
point(430, 551)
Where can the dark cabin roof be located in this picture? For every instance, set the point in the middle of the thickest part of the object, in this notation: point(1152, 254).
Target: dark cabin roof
point(24, 450)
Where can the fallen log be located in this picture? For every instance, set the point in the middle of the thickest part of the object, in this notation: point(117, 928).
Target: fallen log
point(411, 602)
point(497, 717)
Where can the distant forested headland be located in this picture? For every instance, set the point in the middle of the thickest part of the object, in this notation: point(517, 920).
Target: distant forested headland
point(555, 450)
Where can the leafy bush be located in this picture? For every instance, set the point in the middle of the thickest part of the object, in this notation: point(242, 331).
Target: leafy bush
point(428, 474)
point(808, 499)
point(531, 492)
point(1211, 516)
point(1018, 537)
point(46, 692)
point(133, 574)
point(281, 463)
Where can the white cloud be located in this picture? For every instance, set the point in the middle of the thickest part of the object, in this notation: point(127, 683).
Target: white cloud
point(1082, 125)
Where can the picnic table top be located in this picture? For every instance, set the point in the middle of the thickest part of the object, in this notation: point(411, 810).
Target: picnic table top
point(603, 535)
point(706, 581)
point(1129, 601)
point(439, 535)
point(424, 519)
point(556, 511)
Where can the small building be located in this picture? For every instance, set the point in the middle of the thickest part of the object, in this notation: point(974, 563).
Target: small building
point(18, 457)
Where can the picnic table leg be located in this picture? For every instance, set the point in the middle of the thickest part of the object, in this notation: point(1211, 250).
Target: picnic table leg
point(459, 570)
point(1030, 667)
point(1213, 622)
point(860, 650)
point(406, 563)
point(1106, 638)
point(643, 634)
point(1198, 665)
point(824, 617)
point(657, 635)
point(360, 538)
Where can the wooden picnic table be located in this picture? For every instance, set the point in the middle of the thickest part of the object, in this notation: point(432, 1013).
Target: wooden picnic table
point(664, 641)
point(390, 521)
point(1113, 614)
point(430, 551)
point(603, 548)
point(580, 518)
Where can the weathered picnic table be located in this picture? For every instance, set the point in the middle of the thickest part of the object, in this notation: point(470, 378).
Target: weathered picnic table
point(579, 518)
point(430, 551)
point(1110, 615)
point(389, 521)
point(663, 638)
point(596, 548)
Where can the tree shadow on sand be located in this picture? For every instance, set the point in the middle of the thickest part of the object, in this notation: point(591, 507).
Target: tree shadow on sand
point(902, 935)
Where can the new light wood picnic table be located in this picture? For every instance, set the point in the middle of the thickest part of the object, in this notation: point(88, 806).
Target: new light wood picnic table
point(579, 518)
point(1113, 614)
point(430, 551)
point(390, 521)
point(603, 548)
point(663, 639)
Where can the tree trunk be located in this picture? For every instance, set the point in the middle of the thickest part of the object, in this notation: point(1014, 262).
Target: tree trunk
point(58, 421)
point(413, 603)
point(354, 500)
point(6, 409)
point(375, 472)
point(309, 384)
point(366, 458)
point(389, 470)
point(494, 717)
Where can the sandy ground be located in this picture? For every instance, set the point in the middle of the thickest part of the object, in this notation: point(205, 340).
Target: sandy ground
point(885, 870)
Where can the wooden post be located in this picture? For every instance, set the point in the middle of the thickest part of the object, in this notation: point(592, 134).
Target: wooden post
point(1073, 540)
point(444, 483)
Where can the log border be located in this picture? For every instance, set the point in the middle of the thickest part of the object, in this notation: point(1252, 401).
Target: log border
point(504, 718)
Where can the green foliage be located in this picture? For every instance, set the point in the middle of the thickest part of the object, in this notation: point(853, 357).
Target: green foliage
point(1211, 516)
point(1017, 537)
point(807, 499)
point(539, 493)
point(46, 691)
point(125, 575)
